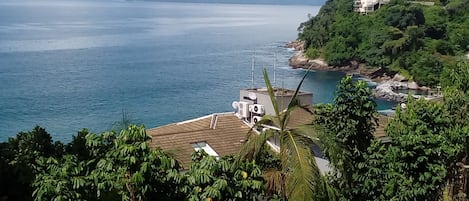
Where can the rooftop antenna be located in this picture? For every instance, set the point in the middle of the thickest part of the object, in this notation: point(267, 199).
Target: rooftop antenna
point(275, 65)
point(253, 63)
point(283, 79)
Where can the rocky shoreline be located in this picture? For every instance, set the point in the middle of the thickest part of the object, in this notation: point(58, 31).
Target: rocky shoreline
point(299, 60)
point(387, 82)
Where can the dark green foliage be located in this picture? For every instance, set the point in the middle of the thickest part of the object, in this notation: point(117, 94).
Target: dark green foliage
point(455, 81)
point(414, 165)
point(6, 174)
point(117, 167)
point(312, 53)
point(65, 178)
point(33, 144)
point(315, 32)
point(456, 76)
point(77, 146)
point(222, 179)
point(401, 15)
point(133, 170)
point(355, 113)
point(428, 140)
point(371, 51)
point(393, 36)
point(337, 52)
point(120, 167)
point(457, 104)
point(349, 126)
point(426, 69)
point(436, 18)
point(18, 162)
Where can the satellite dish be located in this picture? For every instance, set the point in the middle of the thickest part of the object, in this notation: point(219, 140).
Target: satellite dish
point(235, 105)
point(252, 96)
point(403, 105)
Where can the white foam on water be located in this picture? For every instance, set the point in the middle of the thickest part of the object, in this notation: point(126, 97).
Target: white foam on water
point(387, 112)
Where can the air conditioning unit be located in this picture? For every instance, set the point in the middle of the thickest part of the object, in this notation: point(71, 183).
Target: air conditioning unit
point(243, 109)
point(257, 109)
point(255, 119)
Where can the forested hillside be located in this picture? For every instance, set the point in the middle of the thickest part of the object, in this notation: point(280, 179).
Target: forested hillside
point(415, 40)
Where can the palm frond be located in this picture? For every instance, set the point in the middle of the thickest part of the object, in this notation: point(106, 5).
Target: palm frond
point(274, 182)
point(271, 93)
point(294, 100)
point(299, 176)
point(325, 191)
point(303, 173)
point(285, 116)
point(268, 120)
point(255, 145)
point(310, 131)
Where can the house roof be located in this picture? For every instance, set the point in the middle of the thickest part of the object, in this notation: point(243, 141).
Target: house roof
point(224, 132)
point(300, 116)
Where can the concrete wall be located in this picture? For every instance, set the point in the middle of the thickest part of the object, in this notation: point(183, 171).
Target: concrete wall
point(264, 99)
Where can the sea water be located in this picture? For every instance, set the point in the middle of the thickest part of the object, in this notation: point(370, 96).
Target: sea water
point(68, 65)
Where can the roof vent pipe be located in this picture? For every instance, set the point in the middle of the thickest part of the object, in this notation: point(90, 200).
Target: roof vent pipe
point(213, 121)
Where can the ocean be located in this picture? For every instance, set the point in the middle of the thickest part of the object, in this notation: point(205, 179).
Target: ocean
point(68, 65)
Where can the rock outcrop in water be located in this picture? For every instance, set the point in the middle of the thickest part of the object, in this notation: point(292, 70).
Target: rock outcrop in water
point(385, 90)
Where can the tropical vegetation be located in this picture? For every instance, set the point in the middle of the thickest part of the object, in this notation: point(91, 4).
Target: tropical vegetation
point(415, 39)
point(298, 176)
point(422, 158)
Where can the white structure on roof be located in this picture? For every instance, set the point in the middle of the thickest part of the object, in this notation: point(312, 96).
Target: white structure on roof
point(206, 147)
point(367, 6)
point(256, 102)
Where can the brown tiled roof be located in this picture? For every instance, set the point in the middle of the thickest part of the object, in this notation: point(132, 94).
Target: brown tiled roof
point(303, 116)
point(225, 133)
point(226, 136)
point(300, 116)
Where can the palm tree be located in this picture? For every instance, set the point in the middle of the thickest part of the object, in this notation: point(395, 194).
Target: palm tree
point(298, 177)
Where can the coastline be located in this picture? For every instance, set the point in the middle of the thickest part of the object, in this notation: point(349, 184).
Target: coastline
point(387, 82)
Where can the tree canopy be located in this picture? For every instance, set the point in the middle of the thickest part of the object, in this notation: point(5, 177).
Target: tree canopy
point(406, 37)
